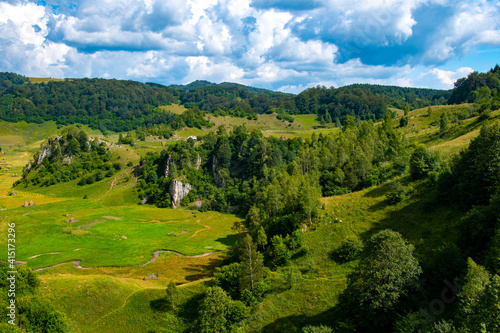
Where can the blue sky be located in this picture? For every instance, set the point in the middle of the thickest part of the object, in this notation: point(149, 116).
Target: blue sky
point(275, 44)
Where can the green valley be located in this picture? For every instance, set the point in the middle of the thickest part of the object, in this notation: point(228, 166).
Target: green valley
point(226, 208)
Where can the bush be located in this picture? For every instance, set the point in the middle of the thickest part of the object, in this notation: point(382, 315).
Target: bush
point(281, 254)
point(99, 176)
point(317, 329)
point(117, 166)
point(90, 179)
point(397, 193)
point(349, 250)
point(422, 162)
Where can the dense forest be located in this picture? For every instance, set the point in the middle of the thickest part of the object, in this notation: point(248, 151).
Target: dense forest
point(477, 86)
point(399, 96)
point(125, 105)
point(230, 169)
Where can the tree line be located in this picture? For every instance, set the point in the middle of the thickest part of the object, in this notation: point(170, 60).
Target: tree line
point(125, 105)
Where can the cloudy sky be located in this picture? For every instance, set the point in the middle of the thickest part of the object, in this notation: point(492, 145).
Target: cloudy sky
point(276, 44)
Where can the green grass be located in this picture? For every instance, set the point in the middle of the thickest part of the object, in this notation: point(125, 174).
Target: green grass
point(43, 79)
point(174, 108)
point(113, 236)
point(107, 304)
point(306, 120)
point(170, 266)
point(424, 130)
point(187, 132)
point(311, 301)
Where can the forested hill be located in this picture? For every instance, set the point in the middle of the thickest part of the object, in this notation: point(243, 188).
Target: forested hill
point(398, 96)
point(204, 83)
point(125, 105)
point(468, 89)
point(105, 104)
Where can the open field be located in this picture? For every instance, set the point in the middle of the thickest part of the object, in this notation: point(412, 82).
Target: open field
point(174, 108)
point(113, 236)
point(170, 267)
point(115, 241)
point(43, 79)
point(268, 123)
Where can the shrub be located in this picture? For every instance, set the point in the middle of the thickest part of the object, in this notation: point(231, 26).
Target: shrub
point(397, 193)
point(422, 162)
point(317, 329)
point(117, 166)
point(349, 250)
point(90, 179)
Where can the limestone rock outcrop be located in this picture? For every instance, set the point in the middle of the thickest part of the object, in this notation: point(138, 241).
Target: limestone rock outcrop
point(168, 165)
point(178, 190)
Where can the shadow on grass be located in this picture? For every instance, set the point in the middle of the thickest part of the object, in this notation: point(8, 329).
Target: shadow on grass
point(294, 324)
point(229, 240)
point(377, 191)
point(420, 219)
point(189, 309)
point(159, 305)
point(299, 253)
point(201, 271)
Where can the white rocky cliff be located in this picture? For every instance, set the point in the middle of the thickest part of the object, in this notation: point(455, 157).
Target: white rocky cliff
point(178, 190)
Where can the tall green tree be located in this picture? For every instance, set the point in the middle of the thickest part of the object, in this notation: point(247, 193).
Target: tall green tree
point(218, 313)
point(280, 252)
point(387, 124)
point(479, 301)
point(406, 109)
point(444, 124)
point(387, 272)
point(475, 173)
point(172, 294)
point(252, 264)
point(423, 162)
point(309, 199)
point(214, 311)
point(261, 238)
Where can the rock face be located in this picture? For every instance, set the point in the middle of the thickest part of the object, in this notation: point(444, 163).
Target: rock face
point(67, 159)
point(167, 165)
point(44, 153)
point(217, 174)
point(178, 190)
point(198, 162)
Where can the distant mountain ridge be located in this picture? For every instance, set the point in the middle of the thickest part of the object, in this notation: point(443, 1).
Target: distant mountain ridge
point(203, 83)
